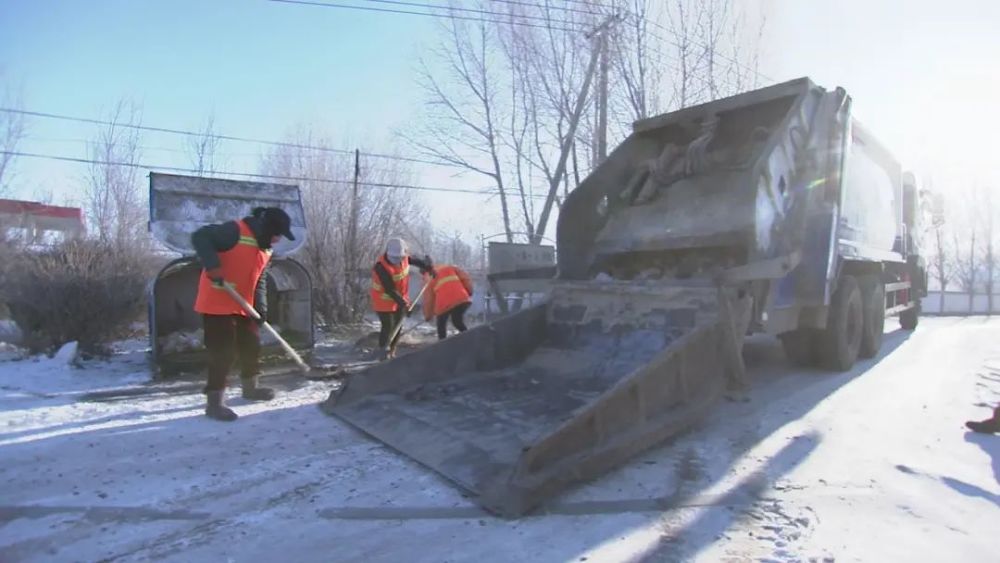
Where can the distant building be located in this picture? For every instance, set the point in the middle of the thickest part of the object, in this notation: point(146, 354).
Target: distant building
point(37, 223)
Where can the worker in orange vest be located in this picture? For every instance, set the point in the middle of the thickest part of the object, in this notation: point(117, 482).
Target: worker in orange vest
point(450, 296)
point(390, 290)
point(236, 253)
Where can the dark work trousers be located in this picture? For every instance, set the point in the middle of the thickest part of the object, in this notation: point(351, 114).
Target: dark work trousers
point(227, 336)
point(456, 314)
point(389, 323)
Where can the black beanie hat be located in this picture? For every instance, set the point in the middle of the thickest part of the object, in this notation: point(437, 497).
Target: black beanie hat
point(275, 221)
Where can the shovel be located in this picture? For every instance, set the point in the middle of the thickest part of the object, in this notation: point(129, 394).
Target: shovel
point(399, 327)
point(306, 369)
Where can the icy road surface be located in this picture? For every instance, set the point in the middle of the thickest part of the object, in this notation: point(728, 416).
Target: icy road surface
point(871, 465)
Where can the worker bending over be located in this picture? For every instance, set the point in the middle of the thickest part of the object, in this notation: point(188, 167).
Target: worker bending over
point(449, 296)
point(390, 292)
point(236, 253)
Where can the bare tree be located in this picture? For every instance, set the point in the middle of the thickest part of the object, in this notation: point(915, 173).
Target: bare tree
point(942, 263)
point(338, 262)
point(12, 131)
point(114, 198)
point(986, 208)
point(965, 264)
point(965, 240)
point(704, 49)
point(466, 117)
point(513, 102)
point(639, 60)
point(203, 148)
point(503, 106)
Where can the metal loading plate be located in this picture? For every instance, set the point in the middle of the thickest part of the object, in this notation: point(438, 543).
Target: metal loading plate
point(598, 374)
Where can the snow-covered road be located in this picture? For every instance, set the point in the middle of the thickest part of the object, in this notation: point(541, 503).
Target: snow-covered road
point(871, 465)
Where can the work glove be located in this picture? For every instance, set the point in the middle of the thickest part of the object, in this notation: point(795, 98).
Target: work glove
point(215, 274)
point(401, 303)
point(430, 266)
point(262, 318)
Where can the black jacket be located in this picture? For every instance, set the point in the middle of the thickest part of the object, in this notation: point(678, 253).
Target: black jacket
point(210, 240)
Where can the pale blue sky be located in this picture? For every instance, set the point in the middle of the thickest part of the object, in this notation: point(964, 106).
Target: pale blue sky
point(260, 65)
point(923, 74)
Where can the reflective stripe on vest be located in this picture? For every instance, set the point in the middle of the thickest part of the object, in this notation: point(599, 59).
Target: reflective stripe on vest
point(446, 279)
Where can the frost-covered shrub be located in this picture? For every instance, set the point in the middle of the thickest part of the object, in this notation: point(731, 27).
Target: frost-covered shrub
point(82, 290)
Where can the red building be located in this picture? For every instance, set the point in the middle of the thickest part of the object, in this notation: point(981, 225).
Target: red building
point(35, 221)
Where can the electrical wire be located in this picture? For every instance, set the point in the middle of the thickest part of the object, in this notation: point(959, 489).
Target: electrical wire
point(451, 9)
point(245, 174)
point(433, 15)
point(536, 5)
point(222, 137)
point(704, 46)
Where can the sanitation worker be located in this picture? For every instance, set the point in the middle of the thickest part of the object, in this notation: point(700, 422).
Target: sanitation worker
point(236, 253)
point(390, 291)
point(448, 297)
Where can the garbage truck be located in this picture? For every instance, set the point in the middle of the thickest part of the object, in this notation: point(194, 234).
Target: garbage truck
point(771, 211)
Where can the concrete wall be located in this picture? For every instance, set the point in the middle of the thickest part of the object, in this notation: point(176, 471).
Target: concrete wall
point(957, 303)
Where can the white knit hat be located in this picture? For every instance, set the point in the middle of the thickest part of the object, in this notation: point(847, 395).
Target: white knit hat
point(396, 249)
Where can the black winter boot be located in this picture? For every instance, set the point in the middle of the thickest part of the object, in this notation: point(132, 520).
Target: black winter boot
point(253, 393)
point(988, 426)
point(217, 408)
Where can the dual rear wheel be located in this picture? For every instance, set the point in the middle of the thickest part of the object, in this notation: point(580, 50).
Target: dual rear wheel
point(854, 327)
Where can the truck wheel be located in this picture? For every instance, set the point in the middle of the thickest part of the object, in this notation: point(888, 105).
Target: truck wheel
point(841, 340)
point(873, 307)
point(908, 319)
point(800, 347)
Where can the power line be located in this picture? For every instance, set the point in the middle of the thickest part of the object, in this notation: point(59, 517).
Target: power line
point(223, 137)
point(536, 5)
point(433, 15)
point(245, 174)
point(704, 46)
point(451, 9)
point(588, 3)
point(35, 139)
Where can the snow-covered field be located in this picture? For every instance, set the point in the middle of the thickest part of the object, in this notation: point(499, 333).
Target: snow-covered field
point(871, 465)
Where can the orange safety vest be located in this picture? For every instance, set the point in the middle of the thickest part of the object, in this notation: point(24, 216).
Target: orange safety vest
point(381, 302)
point(242, 266)
point(448, 290)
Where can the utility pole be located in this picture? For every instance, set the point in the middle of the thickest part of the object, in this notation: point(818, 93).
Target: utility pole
point(352, 233)
point(602, 98)
point(557, 176)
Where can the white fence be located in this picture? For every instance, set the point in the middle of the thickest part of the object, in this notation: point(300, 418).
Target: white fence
point(958, 303)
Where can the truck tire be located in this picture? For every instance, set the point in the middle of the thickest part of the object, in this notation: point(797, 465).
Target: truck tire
point(909, 318)
point(840, 342)
point(801, 347)
point(873, 306)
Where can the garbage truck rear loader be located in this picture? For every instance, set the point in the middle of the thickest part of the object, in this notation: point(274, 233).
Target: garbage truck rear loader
point(767, 211)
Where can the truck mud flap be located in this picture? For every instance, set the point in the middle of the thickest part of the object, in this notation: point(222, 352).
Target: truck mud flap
point(515, 411)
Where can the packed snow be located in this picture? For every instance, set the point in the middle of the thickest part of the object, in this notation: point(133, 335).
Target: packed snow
point(98, 462)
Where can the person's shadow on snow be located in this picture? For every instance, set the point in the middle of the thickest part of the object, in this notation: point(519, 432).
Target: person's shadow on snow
point(991, 445)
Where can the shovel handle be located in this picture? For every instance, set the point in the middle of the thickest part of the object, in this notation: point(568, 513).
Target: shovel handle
point(408, 310)
point(267, 326)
